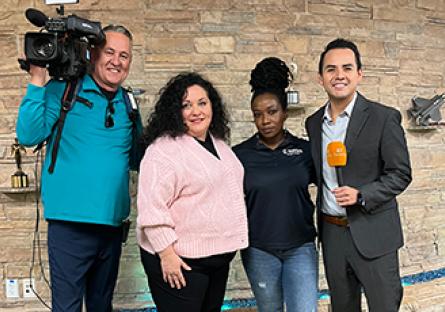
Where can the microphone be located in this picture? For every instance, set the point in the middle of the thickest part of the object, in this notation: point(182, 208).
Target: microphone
point(337, 157)
point(36, 17)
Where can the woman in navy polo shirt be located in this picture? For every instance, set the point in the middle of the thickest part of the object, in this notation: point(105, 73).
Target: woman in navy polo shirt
point(281, 261)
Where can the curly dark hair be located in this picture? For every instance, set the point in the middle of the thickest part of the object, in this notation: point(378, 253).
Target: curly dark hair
point(166, 119)
point(271, 75)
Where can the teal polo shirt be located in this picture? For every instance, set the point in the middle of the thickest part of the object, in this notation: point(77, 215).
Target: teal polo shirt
point(90, 182)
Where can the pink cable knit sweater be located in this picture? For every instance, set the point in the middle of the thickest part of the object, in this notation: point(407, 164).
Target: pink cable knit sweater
point(189, 198)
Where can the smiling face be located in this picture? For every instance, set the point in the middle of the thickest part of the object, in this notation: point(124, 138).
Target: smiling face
point(340, 75)
point(269, 118)
point(197, 112)
point(112, 61)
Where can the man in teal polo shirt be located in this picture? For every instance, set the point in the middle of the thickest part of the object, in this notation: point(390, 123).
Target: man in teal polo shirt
point(86, 197)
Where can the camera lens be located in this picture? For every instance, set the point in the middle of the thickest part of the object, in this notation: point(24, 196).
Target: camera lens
point(42, 47)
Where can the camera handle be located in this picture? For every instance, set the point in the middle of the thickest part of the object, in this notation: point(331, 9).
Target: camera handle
point(24, 64)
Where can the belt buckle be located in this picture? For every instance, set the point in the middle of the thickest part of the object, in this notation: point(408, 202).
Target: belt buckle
point(339, 220)
point(344, 220)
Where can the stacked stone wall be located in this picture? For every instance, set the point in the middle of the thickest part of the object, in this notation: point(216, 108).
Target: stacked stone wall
point(402, 43)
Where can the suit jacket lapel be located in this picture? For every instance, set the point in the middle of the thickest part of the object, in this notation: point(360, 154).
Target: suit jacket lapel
point(317, 139)
point(315, 129)
point(359, 117)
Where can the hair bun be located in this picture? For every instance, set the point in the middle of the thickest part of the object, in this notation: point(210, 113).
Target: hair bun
point(270, 74)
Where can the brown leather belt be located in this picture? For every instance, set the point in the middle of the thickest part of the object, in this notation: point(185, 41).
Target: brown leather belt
point(340, 221)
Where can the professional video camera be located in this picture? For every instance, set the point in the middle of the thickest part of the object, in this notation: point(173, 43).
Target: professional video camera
point(63, 45)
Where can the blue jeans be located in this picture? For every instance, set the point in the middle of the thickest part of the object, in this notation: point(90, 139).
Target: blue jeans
point(288, 277)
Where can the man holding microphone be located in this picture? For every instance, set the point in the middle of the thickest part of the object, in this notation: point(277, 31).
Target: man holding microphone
point(359, 222)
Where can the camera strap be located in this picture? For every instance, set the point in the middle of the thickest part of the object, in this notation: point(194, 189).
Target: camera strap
point(70, 96)
point(68, 99)
point(135, 117)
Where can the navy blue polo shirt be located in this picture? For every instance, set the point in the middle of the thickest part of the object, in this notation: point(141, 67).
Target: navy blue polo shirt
point(279, 206)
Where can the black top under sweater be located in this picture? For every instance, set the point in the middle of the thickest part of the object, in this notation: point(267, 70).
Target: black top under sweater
point(208, 145)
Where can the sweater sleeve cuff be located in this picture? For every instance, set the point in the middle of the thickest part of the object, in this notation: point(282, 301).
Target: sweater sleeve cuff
point(35, 92)
point(160, 237)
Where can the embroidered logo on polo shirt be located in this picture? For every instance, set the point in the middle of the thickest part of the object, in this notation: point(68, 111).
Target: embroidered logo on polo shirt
point(292, 151)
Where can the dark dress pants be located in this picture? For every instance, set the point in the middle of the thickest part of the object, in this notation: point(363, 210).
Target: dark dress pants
point(206, 284)
point(347, 272)
point(84, 263)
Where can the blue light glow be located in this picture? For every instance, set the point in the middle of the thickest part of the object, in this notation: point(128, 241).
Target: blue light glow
point(322, 294)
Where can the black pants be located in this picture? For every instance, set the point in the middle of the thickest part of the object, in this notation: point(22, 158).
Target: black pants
point(83, 262)
point(347, 271)
point(206, 284)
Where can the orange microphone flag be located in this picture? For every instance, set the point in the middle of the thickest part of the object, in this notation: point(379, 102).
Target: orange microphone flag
point(336, 154)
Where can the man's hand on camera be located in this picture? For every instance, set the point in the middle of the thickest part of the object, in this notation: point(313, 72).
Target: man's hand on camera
point(38, 75)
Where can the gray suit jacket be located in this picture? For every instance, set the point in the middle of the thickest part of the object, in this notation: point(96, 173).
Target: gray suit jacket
point(378, 166)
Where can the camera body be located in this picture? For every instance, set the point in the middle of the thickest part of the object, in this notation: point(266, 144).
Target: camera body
point(63, 45)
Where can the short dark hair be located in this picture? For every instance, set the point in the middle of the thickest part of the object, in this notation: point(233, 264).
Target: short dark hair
point(166, 119)
point(340, 43)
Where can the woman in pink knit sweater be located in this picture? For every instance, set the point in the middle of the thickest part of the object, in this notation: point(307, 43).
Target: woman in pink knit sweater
point(191, 211)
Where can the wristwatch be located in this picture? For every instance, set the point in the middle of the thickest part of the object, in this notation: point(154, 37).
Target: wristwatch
point(360, 200)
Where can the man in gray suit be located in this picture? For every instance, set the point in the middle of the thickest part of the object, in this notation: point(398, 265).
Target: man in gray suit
point(359, 222)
